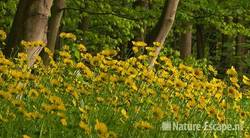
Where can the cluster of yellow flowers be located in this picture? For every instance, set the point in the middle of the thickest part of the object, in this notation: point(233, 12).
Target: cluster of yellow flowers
point(30, 44)
point(104, 97)
point(69, 36)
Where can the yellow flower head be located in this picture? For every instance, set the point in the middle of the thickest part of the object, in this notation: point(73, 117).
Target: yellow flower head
point(85, 127)
point(101, 128)
point(2, 35)
point(157, 112)
point(232, 72)
point(221, 117)
point(158, 44)
point(30, 44)
point(214, 71)
point(139, 43)
point(109, 52)
point(69, 36)
point(180, 84)
point(33, 94)
point(82, 48)
point(211, 111)
point(143, 125)
point(63, 121)
point(26, 136)
point(246, 80)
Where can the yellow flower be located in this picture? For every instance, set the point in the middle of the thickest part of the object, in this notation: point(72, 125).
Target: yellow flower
point(234, 80)
point(16, 74)
point(26, 136)
point(63, 121)
point(5, 95)
point(109, 52)
point(158, 44)
point(55, 100)
point(30, 44)
point(85, 127)
point(221, 117)
point(82, 48)
point(223, 104)
point(202, 101)
point(232, 72)
point(174, 109)
point(101, 128)
point(54, 82)
point(4, 61)
point(80, 65)
point(211, 111)
point(180, 84)
point(246, 80)
point(2, 35)
point(33, 94)
point(198, 73)
point(64, 54)
point(124, 113)
point(191, 103)
point(247, 135)
point(135, 49)
point(32, 115)
point(211, 68)
point(234, 93)
point(143, 125)
point(139, 43)
point(131, 83)
point(68, 61)
point(69, 36)
point(157, 112)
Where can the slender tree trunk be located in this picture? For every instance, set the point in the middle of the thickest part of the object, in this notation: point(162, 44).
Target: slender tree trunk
point(163, 27)
point(176, 40)
point(186, 42)
point(16, 31)
point(240, 51)
point(31, 25)
point(225, 53)
point(213, 45)
point(226, 49)
point(53, 29)
point(200, 42)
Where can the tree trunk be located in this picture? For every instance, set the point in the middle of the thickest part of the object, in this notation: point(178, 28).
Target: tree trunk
point(212, 45)
point(53, 29)
point(200, 42)
point(240, 51)
point(16, 31)
point(31, 25)
point(186, 42)
point(225, 53)
point(163, 27)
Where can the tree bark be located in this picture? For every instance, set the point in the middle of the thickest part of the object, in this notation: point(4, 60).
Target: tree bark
point(30, 24)
point(200, 42)
point(163, 27)
point(212, 45)
point(186, 42)
point(16, 31)
point(53, 29)
point(240, 51)
point(225, 53)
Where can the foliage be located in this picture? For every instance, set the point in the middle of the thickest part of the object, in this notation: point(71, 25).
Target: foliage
point(7, 11)
point(99, 96)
